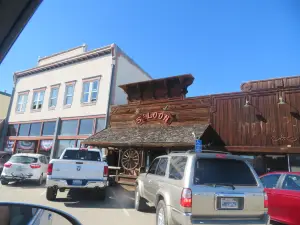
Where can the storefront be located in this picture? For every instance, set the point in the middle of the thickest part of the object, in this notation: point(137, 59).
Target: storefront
point(259, 123)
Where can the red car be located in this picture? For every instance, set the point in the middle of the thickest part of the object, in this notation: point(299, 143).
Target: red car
point(283, 190)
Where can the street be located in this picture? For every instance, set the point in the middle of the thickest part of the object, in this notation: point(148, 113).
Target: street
point(118, 208)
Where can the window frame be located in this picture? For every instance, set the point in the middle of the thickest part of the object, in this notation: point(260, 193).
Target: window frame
point(23, 103)
point(67, 84)
point(51, 97)
point(38, 92)
point(90, 81)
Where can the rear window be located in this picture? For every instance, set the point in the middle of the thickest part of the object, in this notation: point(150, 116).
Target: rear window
point(223, 171)
point(23, 159)
point(82, 155)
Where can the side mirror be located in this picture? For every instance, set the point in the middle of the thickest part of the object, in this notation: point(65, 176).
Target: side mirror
point(23, 213)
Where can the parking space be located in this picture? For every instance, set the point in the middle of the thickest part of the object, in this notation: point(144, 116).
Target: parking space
point(118, 208)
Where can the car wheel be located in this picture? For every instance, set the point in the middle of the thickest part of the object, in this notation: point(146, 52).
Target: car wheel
point(140, 203)
point(51, 193)
point(101, 194)
point(4, 182)
point(161, 213)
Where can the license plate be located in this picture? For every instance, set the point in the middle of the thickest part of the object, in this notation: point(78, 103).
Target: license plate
point(229, 203)
point(20, 168)
point(77, 182)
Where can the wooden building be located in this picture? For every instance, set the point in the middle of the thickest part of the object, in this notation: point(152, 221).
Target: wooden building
point(261, 122)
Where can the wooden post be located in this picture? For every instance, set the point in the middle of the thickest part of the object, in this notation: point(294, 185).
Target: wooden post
point(38, 146)
point(119, 162)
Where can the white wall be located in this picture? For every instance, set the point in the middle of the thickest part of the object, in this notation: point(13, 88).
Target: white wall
point(78, 71)
point(63, 55)
point(127, 72)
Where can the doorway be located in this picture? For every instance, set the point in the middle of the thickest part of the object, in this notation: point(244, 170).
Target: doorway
point(276, 163)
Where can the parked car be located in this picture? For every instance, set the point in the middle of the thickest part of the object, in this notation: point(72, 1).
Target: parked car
point(205, 188)
point(4, 157)
point(77, 168)
point(283, 190)
point(25, 166)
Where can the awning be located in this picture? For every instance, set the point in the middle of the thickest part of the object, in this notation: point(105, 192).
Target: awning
point(163, 136)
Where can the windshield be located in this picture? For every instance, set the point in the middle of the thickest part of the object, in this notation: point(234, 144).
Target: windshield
point(223, 171)
point(82, 155)
point(23, 159)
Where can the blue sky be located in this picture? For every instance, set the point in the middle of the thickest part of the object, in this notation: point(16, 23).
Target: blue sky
point(222, 43)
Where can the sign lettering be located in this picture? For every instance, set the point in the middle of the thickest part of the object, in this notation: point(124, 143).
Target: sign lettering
point(151, 116)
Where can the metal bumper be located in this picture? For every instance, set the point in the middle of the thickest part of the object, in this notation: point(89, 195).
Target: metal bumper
point(65, 183)
point(187, 219)
point(13, 177)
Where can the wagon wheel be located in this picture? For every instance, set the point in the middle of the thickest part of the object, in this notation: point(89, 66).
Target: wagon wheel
point(130, 159)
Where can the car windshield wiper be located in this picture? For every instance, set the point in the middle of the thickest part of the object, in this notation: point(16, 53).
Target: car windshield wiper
point(220, 184)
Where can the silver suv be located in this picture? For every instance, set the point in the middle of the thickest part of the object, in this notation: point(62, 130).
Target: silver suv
point(206, 188)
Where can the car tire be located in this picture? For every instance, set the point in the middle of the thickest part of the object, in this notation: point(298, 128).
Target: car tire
point(51, 194)
point(101, 194)
point(140, 204)
point(4, 182)
point(162, 214)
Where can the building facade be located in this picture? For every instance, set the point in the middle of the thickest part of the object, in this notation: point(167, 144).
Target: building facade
point(4, 102)
point(261, 123)
point(66, 98)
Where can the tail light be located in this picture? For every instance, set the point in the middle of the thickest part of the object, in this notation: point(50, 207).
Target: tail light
point(50, 168)
point(7, 165)
point(35, 166)
point(266, 203)
point(186, 198)
point(105, 171)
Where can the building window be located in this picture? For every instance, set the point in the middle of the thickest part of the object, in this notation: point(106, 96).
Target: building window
point(46, 147)
point(62, 145)
point(12, 130)
point(49, 128)
point(68, 127)
point(24, 129)
point(90, 91)
point(86, 126)
point(26, 146)
point(69, 94)
point(38, 99)
point(78, 144)
point(22, 101)
point(35, 129)
point(100, 124)
point(53, 97)
point(295, 162)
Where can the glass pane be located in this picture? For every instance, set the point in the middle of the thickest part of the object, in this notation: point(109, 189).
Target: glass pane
point(24, 103)
point(70, 90)
point(162, 166)
point(41, 97)
point(20, 99)
point(49, 128)
point(24, 129)
point(35, 96)
point(34, 105)
point(291, 182)
point(86, 87)
point(229, 171)
point(26, 146)
point(19, 107)
point(86, 97)
point(95, 85)
point(69, 100)
point(295, 162)
point(12, 130)
point(54, 92)
point(79, 144)
point(100, 124)
point(35, 129)
point(53, 102)
point(82, 155)
point(177, 167)
point(68, 127)
point(270, 181)
point(94, 96)
point(62, 145)
point(86, 126)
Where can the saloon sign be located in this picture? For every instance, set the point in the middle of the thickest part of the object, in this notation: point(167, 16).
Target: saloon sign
point(151, 116)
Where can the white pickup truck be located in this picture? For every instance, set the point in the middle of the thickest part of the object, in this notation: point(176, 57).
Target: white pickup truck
point(77, 168)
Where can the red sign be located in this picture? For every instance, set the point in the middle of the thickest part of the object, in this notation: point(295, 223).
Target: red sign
point(162, 116)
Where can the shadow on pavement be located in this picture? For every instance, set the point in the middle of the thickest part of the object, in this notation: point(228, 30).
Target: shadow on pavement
point(116, 197)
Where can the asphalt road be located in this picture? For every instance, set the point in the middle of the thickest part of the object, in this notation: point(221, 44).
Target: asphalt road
point(118, 208)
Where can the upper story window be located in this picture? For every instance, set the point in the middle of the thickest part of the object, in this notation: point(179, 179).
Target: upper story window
point(69, 94)
point(38, 99)
point(90, 91)
point(53, 97)
point(21, 103)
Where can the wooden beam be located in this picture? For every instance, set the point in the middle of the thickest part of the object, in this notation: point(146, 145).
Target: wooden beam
point(264, 149)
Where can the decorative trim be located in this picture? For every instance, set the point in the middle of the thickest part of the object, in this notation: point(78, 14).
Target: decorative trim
point(97, 77)
point(23, 92)
point(84, 117)
point(60, 53)
point(283, 138)
point(60, 137)
point(39, 89)
point(55, 85)
point(70, 82)
point(75, 59)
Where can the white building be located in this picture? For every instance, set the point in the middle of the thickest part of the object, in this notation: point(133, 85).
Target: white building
point(66, 97)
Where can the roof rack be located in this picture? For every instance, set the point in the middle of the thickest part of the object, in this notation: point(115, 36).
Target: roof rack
point(203, 151)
